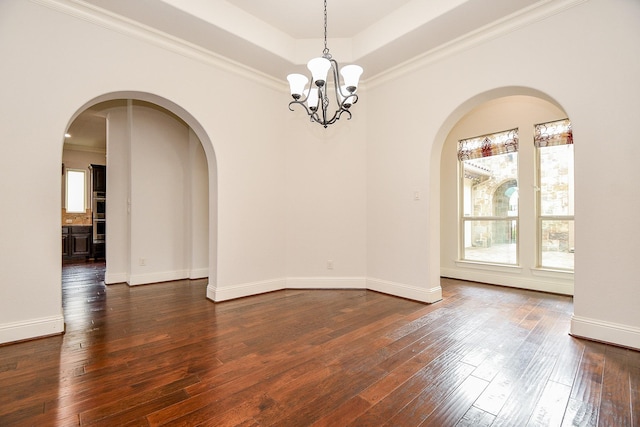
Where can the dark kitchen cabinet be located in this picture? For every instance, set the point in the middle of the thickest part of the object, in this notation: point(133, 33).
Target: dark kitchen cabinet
point(99, 250)
point(65, 242)
point(99, 178)
point(76, 241)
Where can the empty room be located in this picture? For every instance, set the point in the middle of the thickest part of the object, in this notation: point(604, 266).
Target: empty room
point(332, 213)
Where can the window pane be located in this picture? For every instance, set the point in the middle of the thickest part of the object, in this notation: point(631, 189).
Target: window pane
point(557, 244)
point(491, 241)
point(491, 186)
point(75, 191)
point(556, 180)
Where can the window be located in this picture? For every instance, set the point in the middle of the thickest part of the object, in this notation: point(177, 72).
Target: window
point(555, 185)
point(75, 191)
point(489, 198)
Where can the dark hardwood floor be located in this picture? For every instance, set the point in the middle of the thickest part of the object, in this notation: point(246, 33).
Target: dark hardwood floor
point(164, 355)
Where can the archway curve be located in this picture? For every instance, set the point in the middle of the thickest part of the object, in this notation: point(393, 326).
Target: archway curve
point(164, 103)
point(207, 145)
point(436, 155)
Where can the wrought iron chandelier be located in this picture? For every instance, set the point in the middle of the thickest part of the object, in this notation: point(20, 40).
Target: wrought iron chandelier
point(315, 99)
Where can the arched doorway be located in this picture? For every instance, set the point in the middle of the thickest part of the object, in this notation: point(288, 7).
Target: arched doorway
point(161, 190)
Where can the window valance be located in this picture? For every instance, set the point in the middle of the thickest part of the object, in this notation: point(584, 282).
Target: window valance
point(553, 133)
point(488, 145)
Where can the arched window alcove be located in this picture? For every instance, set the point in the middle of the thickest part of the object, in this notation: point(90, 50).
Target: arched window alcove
point(495, 111)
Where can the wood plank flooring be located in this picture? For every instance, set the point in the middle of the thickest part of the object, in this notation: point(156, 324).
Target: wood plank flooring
point(164, 355)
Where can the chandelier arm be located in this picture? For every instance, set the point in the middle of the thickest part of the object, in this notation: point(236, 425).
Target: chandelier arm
point(339, 114)
point(336, 116)
point(315, 118)
point(324, 102)
point(299, 103)
point(336, 78)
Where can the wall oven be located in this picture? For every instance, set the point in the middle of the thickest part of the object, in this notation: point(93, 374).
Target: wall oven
point(99, 207)
point(99, 230)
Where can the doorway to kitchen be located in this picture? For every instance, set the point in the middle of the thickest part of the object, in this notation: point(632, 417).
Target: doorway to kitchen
point(83, 188)
point(156, 173)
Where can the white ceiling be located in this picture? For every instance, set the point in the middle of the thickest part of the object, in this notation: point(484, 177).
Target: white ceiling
point(346, 18)
point(278, 37)
point(275, 35)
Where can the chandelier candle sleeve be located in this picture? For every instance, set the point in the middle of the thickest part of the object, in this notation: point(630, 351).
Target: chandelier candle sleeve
point(315, 98)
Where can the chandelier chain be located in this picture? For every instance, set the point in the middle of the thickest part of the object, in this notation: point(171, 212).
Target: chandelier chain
point(326, 49)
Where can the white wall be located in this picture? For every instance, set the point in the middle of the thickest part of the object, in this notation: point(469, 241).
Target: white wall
point(198, 193)
point(118, 245)
point(160, 197)
point(587, 58)
point(326, 202)
point(513, 112)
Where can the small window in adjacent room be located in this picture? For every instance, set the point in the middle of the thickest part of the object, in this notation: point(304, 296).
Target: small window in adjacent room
point(75, 191)
point(555, 184)
point(489, 198)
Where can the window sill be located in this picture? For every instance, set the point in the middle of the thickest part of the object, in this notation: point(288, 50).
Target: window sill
point(489, 267)
point(549, 272)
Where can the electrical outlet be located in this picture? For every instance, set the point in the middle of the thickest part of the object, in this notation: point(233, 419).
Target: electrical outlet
point(143, 261)
point(330, 264)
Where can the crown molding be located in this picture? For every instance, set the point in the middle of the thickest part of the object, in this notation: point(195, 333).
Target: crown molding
point(126, 26)
point(129, 27)
point(506, 25)
point(84, 148)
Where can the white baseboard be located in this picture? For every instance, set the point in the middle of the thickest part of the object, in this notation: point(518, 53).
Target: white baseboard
point(514, 280)
point(113, 278)
point(608, 332)
point(224, 293)
point(162, 276)
point(198, 273)
point(417, 293)
point(32, 328)
point(326, 282)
